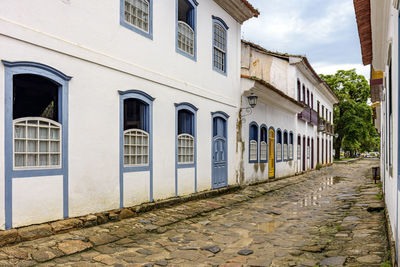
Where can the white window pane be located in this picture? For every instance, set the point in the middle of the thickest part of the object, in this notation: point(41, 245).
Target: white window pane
point(19, 146)
point(32, 132)
point(31, 160)
point(43, 146)
point(43, 160)
point(55, 159)
point(19, 160)
point(19, 131)
point(54, 146)
point(54, 134)
point(43, 133)
point(32, 146)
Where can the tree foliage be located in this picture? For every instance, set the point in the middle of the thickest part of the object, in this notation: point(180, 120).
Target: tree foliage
point(352, 115)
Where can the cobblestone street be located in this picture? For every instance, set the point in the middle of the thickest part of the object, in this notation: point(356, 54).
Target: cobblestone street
point(331, 217)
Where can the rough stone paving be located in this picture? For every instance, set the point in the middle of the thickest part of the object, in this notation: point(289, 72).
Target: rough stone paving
point(331, 217)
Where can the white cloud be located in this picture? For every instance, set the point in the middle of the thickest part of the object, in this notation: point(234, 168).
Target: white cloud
point(326, 68)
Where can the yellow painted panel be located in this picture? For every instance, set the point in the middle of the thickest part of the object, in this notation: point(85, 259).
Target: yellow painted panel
point(271, 153)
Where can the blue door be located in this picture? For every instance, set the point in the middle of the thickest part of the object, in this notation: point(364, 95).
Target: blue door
point(219, 153)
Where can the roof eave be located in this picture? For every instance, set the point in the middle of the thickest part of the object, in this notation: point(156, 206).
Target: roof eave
point(240, 10)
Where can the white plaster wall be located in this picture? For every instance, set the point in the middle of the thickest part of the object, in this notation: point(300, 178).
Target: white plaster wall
point(94, 127)
point(186, 184)
point(37, 199)
point(271, 116)
point(94, 25)
point(136, 188)
point(2, 182)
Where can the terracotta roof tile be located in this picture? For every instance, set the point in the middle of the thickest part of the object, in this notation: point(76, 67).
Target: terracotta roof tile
point(363, 17)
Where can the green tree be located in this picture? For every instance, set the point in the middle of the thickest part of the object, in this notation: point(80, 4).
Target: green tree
point(352, 115)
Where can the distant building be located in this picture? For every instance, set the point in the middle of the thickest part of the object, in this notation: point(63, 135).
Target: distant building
point(378, 28)
point(108, 104)
point(291, 128)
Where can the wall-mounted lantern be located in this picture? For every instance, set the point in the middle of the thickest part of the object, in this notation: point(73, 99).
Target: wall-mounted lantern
point(252, 99)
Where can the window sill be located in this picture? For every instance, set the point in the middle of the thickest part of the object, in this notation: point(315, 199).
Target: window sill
point(23, 173)
point(185, 166)
point(136, 169)
point(189, 56)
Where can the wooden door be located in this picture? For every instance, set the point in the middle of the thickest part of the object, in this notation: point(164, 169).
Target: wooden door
point(271, 141)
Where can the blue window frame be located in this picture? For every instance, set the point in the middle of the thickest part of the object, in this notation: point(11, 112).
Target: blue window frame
point(278, 145)
point(56, 114)
point(186, 28)
point(285, 146)
point(263, 143)
point(220, 38)
point(136, 123)
point(137, 15)
point(290, 149)
point(253, 142)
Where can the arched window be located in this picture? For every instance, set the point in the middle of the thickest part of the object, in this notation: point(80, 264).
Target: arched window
point(308, 148)
point(278, 145)
point(263, 144)
point(285, 145)
point(219, 44)
point(136, 133)
point(304, 94)
point(185, 136)
point(291, 146)
point(253, 143)
point(186, 26)
point(136, 15)
point(308, 98)
point(298, 147)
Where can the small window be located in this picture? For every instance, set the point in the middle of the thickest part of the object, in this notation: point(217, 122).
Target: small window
point(312, 101)
point(219, 44)
point(285, 146)
point(318, 108)
point(136, 133)
point(253, 143)
point(298, 90)
point(136, 15)
point(308, 147)
point(304, 94)
point(263, 144)
point(279, 146)
point(186, 27)
point(291, 146)
point(323, 112)
point(185, 137)
point(308, 97)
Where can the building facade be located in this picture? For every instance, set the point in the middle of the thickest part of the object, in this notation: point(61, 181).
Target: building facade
point(378, 27)
point(290, 129)
point(105, 103)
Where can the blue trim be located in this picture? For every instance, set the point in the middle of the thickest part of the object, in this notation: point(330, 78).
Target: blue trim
point(194, 5)
point(146, 98)
point(26, 67)
point(266, 140)
point(193, 109)
point(398, 150)
point(283, 145)
point(276, 142)
point(188, 106)
point(250, 125)
point(133, 28)
point(272, 128)
point(220, 21)
point(220, 114)
point(223, 24)
point(127, 92)
point(224, 116)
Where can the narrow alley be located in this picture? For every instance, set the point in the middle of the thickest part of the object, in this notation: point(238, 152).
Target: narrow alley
point(331, 217)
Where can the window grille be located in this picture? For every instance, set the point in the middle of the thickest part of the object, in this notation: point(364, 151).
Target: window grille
point(219, 47)
point(185, 38)
point(253, 150)
point(185, 148)
point(136, 148)
point(37, 143)
point(263, 150)
point(137, 14)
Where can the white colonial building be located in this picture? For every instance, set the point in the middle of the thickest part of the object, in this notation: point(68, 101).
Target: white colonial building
point(290, 129)
point(378, 26)
point(104, 103)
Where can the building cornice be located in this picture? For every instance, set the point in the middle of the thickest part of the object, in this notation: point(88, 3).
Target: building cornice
point(240, 10)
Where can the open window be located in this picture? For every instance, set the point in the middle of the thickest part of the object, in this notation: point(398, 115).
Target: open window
point(136, 133)
point(185, 137)
point(253, 143)
point(186, 27)
point(36, 122)
point(278, 145)
point(263, 144)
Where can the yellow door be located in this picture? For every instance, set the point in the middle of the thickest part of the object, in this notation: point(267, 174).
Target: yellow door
point(271, 153)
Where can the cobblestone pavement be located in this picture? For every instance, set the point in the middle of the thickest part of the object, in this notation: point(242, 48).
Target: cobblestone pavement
point(331, 217)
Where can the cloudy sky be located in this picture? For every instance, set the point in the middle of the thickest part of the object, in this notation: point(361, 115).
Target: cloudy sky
point(323, 30)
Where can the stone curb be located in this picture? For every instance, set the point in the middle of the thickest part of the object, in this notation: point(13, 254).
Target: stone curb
point(33, 232)
point(81, 240)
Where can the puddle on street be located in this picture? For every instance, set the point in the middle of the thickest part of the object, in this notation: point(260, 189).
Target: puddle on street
point(313, 198)
point(268, 226)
